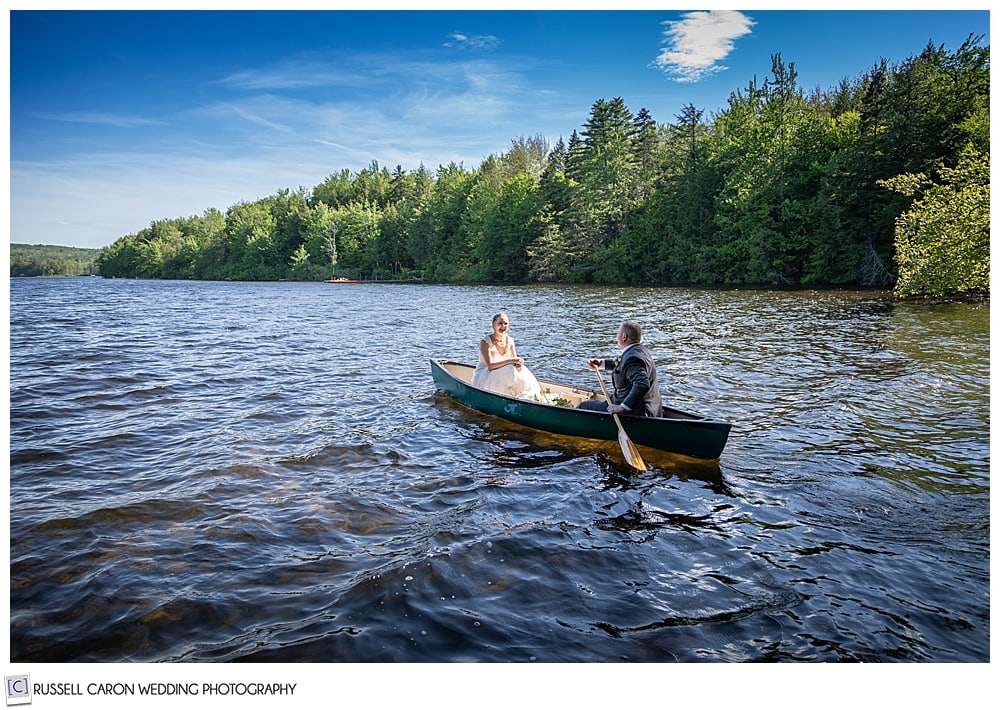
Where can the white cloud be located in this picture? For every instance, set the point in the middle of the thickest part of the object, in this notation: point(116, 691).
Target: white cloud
point(266, 143)
point(298, 73)
point(696, 44)
point(460, 40)
point(251, 137)
point(101, 119)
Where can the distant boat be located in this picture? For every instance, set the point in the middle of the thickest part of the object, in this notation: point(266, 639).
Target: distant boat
point(342, 281)
point(675, 431)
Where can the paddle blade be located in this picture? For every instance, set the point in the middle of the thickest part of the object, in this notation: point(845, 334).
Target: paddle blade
point(631, 453)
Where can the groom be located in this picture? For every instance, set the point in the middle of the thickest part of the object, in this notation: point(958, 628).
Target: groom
point(636, 391)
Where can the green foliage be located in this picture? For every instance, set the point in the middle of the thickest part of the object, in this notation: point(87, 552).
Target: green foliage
point(778, 188)
point(606, 168)
point(512, 224)
point(46, 260)
point(943, 240)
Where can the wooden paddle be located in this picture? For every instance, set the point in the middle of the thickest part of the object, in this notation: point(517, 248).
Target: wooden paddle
point(628, 448)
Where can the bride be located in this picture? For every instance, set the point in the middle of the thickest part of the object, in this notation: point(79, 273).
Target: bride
point(500, 370)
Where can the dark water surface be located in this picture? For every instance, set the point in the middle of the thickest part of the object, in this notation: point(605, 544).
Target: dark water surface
point(263, 472)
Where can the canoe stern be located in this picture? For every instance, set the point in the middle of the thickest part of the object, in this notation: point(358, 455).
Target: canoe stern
point(690, 435)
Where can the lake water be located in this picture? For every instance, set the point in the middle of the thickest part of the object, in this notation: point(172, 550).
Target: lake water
point(264, 472)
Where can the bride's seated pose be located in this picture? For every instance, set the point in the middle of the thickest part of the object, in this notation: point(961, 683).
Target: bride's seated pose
point(500, 370)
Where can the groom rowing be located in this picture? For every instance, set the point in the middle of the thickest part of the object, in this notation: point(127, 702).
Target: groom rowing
point(633, 375)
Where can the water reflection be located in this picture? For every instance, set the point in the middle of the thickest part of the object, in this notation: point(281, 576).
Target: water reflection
point(218, 477)
point(517, 447)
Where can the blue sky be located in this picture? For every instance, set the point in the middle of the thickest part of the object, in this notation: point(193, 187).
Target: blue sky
point(122, 118)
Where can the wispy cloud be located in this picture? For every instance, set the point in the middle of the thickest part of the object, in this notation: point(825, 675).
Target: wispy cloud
point(283, 124)
point(416, 102)
point(102, 119)
point(56, 202)
point(695, 45)
point(297, 73)
point(254, 138)
point(461, 40)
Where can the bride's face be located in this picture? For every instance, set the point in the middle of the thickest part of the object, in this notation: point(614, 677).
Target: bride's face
point(500, 325)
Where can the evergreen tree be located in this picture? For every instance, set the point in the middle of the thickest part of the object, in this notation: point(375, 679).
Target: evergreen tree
point(446, 251)
point(778, 188)
point(606, 168)
point(553, 255)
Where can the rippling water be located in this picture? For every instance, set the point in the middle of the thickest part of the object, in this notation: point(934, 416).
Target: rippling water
point(263, 472)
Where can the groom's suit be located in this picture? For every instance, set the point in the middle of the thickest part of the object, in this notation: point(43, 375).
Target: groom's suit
point(634, 380)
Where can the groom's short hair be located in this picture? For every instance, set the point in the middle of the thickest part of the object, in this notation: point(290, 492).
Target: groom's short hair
point(633, 330)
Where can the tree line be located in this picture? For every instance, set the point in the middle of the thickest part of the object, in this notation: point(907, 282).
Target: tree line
point(881, 181)
point(48, 260)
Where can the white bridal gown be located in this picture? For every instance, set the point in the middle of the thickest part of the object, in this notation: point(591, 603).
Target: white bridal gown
point(507, 380)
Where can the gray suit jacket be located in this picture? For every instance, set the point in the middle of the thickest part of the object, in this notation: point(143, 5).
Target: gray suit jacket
point(634, 380)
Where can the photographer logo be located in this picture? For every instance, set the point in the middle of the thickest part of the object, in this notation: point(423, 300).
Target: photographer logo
point(18, 690)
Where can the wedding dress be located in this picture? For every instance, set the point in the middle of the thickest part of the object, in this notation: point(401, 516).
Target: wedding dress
point(506, 380)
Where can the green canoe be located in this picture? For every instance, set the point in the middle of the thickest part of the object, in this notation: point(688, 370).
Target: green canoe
point(675, 431)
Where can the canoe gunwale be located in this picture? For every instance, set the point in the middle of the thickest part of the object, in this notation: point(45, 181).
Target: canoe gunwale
point(682, 433)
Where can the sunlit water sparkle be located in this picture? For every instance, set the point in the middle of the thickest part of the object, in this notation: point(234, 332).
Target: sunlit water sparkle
point(263, 472)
